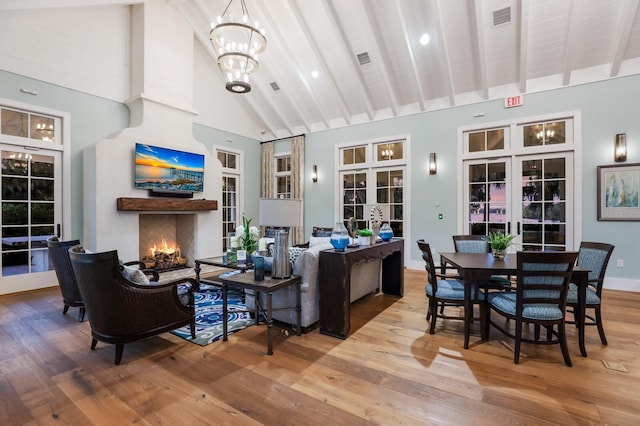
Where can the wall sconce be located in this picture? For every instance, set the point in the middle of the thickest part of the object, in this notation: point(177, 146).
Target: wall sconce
point(314, 174)
point(620, 153)
point(432, 163)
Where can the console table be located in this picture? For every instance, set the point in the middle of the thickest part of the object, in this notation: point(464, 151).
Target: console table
point(334, 280)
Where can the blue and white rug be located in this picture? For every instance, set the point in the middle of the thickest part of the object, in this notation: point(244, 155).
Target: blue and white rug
point(209, 315)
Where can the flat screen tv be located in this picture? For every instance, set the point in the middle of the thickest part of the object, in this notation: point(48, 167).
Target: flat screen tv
point(168, 170)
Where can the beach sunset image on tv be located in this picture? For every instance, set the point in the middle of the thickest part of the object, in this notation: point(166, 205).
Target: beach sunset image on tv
point(168, 169)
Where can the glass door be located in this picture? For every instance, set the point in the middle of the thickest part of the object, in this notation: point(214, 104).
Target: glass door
point(30, 214)
point(545, 201)
point(363, 189)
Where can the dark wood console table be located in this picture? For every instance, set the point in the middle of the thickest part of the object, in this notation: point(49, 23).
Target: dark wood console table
point(334, 280)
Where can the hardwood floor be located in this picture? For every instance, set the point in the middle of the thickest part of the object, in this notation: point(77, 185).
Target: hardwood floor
point(388, 371)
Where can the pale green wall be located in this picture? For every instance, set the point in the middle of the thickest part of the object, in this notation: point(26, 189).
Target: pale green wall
point(92, 119)
point(607, 108)
point(252, 162)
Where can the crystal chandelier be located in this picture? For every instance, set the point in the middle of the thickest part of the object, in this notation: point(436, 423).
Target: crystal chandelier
point(237, 43)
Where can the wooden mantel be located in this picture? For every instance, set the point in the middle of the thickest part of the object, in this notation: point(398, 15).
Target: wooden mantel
point(165, 204)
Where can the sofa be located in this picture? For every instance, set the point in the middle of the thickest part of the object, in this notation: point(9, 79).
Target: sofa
point(365, 279)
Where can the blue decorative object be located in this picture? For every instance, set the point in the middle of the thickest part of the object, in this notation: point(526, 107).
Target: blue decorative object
point(339, 237)
point(386, 233)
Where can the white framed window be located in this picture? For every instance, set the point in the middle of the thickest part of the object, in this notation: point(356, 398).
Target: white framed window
point(523, 178)
point(283, 176)
point(231, 189)
point(374, 173)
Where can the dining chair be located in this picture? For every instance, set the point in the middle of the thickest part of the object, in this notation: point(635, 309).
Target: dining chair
point(542, 283)
point(444, 291)
point(479, 244)
point(595, 257)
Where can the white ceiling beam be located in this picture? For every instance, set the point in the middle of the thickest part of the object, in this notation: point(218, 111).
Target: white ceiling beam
point(575, 12)
point(444, 53)
point(338, 29)
point(380, 63)
point(326, 73)
point(412, 59)
point(628, 13)
point(51, 4)
point(275, 36)
point(524, 45)
point(480, 47)
point(206, 43)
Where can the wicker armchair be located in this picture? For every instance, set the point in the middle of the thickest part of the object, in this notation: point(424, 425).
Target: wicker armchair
point(59, 257)
point(121, 311)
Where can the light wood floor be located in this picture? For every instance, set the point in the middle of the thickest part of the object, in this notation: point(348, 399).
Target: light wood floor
point(389, 371)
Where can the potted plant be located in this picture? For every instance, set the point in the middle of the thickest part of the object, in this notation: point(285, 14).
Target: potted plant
point(364, 237)
point(499, 242)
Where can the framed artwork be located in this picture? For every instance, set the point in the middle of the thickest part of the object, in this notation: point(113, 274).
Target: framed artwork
point(618, 187)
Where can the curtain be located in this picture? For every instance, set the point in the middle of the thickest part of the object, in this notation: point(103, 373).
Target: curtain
point(297, 184)
point(268, 177)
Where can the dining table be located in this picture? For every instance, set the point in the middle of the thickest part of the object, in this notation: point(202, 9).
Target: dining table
point(477, 268)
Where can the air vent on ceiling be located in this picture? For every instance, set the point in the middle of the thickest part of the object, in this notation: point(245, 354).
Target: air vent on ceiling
point(274, 86)
point(363, 58)
point(501, 16)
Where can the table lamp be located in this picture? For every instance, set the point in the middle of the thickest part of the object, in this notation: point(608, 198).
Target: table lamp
point(281, 212)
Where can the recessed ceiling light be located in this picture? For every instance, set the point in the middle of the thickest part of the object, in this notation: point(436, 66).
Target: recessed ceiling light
point(424, 39)
point(315, 74)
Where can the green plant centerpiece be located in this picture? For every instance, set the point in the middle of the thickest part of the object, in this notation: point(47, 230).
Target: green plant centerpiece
point(499, 242)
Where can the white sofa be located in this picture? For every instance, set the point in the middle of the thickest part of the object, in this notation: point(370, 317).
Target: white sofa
point(365, 279)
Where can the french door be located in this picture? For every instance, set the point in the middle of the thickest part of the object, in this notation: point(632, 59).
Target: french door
point(365, 188)
point(31, 209)
point(519, 179)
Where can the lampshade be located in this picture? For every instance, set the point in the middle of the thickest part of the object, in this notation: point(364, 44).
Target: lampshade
point(280, 212)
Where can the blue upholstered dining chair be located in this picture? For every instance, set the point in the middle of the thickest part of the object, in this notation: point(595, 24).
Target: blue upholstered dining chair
point(443, 292)
point(540, 299)
point(479, 244)
point(595, 257)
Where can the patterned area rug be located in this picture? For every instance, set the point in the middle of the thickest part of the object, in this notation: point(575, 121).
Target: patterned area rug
point(209, 316)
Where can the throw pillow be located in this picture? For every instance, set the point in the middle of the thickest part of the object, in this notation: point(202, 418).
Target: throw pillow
point(316, 241)
point(135, 275)
point(294, 253)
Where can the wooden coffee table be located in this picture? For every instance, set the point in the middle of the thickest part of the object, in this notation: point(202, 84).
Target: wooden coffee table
point(268, 286)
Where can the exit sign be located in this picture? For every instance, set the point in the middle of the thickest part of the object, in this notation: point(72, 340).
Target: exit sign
point(513, 101)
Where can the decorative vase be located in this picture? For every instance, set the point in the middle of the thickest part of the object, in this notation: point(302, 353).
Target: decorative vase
point(386, 233)
point(339, 237)
point(498, 254)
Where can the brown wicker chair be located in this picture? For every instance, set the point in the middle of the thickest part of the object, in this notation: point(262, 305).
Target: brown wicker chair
point(121, 311)
point(59, 257)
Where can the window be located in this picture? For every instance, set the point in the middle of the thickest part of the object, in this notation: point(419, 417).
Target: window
point(283, 176)
point(231, 176)
point(27, 125)
point(527, 189)
point(486, 140)
point(370, 175)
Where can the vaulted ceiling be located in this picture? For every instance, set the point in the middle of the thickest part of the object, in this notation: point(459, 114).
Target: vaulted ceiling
point(371, 65)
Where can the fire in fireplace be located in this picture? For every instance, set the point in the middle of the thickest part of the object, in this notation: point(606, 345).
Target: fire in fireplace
point(164, 256)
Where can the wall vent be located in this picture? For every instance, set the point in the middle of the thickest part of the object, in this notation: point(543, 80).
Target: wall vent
point(274, 86)
point(363, 58)
point(501, 16)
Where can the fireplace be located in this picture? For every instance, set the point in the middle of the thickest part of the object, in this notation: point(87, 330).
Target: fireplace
point(166, 241)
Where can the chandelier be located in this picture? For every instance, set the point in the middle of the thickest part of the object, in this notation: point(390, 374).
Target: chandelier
point(237, 43)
